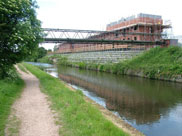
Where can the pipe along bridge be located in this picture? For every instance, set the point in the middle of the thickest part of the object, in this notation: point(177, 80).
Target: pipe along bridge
point(94, 37)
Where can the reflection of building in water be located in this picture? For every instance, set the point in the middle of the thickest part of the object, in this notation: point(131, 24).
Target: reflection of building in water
point(129, 104)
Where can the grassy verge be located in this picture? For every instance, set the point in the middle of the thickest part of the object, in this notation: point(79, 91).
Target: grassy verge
point(10, 90)
point(22, 68)
point(77, 117)
point(157, 63)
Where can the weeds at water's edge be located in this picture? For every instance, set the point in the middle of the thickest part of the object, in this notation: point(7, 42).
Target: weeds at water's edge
point(157, 63)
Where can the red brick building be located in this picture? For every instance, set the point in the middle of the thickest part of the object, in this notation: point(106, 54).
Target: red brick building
point(143, 27)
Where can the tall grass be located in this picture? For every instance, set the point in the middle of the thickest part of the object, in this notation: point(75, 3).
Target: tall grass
point(157, 62)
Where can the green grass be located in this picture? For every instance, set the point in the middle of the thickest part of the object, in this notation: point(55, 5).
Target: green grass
point(13, 126)
point(77, 117)
point(155, 63)
point(22, 68)
point(10, 90)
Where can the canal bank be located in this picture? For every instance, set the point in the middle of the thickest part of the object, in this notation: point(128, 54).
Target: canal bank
point(77, 116)
point(151, 106)
point(157, 63)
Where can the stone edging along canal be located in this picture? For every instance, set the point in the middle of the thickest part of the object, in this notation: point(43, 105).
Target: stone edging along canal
point(111, 116)
point(156, 63)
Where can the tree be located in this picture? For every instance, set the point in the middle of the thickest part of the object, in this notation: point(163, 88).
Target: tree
point(39, 53)
point(20, 32)
point(49, 50)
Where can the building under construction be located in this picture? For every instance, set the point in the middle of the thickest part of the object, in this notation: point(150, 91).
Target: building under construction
point(138, 32)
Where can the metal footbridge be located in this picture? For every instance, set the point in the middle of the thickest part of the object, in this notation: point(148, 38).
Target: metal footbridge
point(74, 36)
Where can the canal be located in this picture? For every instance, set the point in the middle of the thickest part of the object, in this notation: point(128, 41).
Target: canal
point(153, 107)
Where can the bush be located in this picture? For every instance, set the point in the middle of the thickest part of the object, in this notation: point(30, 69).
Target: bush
point(46, 59)
point(82, 65)
point(8, 74)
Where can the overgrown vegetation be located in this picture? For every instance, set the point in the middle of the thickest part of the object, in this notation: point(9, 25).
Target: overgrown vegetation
point(76, 117)
point(20, 32)
point(50, 59)
point(37, 54)
point(157, 63)
point(10, 89)
point(46, 59)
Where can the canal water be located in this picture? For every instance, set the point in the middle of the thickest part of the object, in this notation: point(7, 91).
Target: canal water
point(151, 106)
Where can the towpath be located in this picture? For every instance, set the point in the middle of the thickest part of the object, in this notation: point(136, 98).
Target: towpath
point(33, 110)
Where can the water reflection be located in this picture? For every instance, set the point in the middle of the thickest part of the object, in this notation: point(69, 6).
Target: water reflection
point(142, 102)
point(151, 106)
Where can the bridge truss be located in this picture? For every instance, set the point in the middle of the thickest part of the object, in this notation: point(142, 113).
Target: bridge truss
point(92, 37)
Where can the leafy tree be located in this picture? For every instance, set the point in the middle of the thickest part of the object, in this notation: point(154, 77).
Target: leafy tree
point(20, 32)
point(49, 50)
point(39, 53)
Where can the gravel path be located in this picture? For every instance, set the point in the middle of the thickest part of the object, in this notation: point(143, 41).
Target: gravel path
point(33, 110)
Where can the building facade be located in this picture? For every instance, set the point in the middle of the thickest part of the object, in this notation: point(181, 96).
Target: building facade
point(142, 27)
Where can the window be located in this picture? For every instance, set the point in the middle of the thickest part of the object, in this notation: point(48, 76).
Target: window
point(128, 38)
point(151, 30)
point(135, 38)
point(116, 34)
point(124, 32)
point(136, 27)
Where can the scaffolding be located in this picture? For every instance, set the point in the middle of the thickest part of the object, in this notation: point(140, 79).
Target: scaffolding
point(132, 33)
